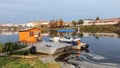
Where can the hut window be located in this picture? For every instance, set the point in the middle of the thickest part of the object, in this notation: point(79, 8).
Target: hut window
point(32, 33)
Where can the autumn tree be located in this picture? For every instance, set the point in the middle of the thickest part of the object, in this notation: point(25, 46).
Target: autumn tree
point(97, 18)
point(53, 24)
point(61, 23)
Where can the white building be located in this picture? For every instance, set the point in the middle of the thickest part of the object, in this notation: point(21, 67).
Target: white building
point(6, 25)
point(30, 24)
point(44, 23)
point(88, 22)
point(109, 21)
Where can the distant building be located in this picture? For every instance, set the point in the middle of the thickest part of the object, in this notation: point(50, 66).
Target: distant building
point(37, 24)
point(6, 25)
point(109, 21)
point(88, 22)
point(16, 25)
point(30, 24)
point(68, 24)
point(44, 24)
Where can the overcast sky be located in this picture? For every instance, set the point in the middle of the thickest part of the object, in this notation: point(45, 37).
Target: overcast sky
point(21, 11)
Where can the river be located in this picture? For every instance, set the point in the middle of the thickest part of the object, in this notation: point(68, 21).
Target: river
point(104, 49)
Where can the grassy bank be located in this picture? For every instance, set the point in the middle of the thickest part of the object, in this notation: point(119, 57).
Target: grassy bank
point(95, 28)
point(100, 28)
point(10, 47)
point(10, 62)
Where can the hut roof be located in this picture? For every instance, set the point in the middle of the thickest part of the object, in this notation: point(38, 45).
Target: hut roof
point(27, 29)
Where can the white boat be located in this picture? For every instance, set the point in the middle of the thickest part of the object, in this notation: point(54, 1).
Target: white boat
point(51, 47)
point(55, 39)
point(68, 39)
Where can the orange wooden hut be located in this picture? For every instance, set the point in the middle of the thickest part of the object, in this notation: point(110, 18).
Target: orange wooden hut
point(30, 35)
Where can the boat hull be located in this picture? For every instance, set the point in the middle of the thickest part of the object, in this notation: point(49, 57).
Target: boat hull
point(80, 47)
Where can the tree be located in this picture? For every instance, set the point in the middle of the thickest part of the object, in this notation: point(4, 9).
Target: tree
point(74, 23)
point(80, 21)
point(97, 18)
point(53, 24)
point(1, 47)
point(61, 23)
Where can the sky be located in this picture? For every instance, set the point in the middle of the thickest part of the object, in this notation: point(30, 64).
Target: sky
point(22, 11)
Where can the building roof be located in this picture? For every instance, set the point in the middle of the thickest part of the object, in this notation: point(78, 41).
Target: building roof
point(27, 29)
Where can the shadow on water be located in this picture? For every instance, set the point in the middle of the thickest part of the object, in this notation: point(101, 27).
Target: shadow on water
point(71, 54)
point(78, 58)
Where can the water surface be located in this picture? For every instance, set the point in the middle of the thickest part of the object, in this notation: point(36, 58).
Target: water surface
point(104, 48)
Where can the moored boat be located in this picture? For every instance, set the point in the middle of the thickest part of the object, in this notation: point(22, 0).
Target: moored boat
point(66, 39)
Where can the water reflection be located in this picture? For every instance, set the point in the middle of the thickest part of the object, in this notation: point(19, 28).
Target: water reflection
point(64, 57)
point(104, 49)
point(86, 34)
point(8, 33)
point(80, 60)
point(97, 35)
point(8, 37)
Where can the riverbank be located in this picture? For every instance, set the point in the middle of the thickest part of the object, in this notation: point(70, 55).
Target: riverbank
point(12, 62)
point(95, 28)
point(100, 28)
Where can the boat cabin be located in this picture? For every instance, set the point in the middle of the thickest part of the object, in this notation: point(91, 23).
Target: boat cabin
point(30, 35)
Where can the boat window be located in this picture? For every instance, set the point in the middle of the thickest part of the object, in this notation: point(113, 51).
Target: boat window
point(67, 37)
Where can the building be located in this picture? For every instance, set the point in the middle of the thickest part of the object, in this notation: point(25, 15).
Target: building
point(6, 25)
point(109, 21)
point(30, 24)
point(69, 24)
point(88, 22)
point(30, 35)
point(37, 24)
point(44, 24)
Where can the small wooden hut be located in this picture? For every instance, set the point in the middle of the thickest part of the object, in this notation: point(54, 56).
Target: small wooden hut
point(30, 35)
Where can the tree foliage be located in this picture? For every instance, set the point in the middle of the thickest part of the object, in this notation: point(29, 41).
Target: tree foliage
point(97, 18)
point(1, 47)
point(57, 23)
point(61, 23)
point(80, 21)
point(74, 23)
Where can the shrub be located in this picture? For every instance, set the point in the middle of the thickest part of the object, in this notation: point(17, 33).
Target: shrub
point(23, 52)
point(1, 47)
point(10, 47)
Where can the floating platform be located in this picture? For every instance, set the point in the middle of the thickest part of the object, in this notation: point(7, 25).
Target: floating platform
point(50, 47)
